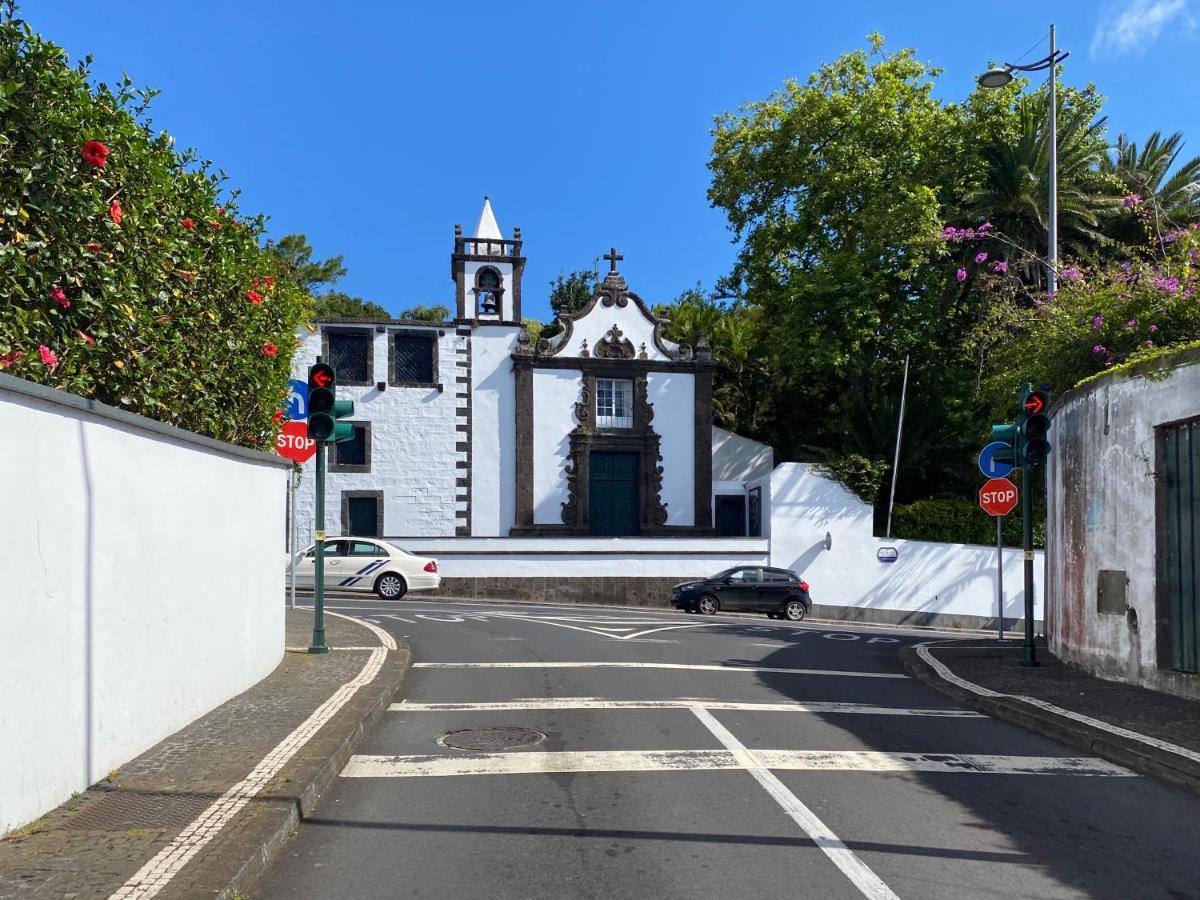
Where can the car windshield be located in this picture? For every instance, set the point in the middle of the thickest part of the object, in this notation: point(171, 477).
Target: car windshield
point(723, 574)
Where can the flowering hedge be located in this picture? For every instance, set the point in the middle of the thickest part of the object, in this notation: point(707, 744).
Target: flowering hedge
point(123, 275)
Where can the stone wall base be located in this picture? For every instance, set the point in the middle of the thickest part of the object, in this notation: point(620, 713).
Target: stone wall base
point(656, 592)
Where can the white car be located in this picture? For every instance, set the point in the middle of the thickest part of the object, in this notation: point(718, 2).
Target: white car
point(366, 564)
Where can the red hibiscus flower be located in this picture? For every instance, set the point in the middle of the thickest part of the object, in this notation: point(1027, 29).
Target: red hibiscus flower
point(254, 281)
point(87, 337)
point(277, 415)
point(94, 154)
point(252, 438)
point(185, 274)
point(48, 356)
point(115, 212)
point(9, 358)
point(269, 349)
point(220, 210)
point(270, 281)
point(94, 247)
point(189, 224)
point(59, 296)
point(254, 297)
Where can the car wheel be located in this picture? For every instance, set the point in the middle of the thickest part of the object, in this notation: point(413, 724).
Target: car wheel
point(390, 586)
point(794, 610)
point(708, 605)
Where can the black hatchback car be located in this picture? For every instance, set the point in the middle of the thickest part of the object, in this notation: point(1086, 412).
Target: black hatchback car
point(779, 593)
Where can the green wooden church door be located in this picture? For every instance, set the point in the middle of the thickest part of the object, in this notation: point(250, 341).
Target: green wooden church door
point(613, 493)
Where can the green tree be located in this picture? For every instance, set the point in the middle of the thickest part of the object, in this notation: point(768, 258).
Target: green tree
point(127, 272)
point(420, 313)
point(569, 294)
point(1149, 176)
point(295, 253)
point(336, 305)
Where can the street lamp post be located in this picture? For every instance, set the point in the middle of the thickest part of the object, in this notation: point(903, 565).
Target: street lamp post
point(996, 78)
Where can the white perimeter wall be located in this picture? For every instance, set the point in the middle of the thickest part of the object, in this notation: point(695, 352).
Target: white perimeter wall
point(945, 579)
point(555, 393)
point(141, 581)
point(673, 397)
point(493, 430)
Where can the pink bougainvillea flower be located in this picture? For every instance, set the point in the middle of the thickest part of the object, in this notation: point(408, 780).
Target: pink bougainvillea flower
point(269, 349)
point(1148, 343)
point(115, 212)
point(94, 154)
point(949, 232)
point(59, 296)
point(961, 275)
point(254, 297)
point(93, 246)
point(189, 224)
point(87, 337)
point(984, 228)
point(980, 258)
point(47, 356)
point(1000, 266)
point(1071, 274)
point(1097, 322)
point(1153, 328)
point(9, 358)
point(1132, 200)
point(1132, 323)
point(1170, 285)
point(1099, 348)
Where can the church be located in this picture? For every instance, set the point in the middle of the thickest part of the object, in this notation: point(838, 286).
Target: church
point(470, 429)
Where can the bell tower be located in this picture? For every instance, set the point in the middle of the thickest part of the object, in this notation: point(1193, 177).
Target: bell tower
point(487, 270)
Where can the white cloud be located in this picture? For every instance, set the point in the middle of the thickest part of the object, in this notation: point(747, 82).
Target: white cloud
point(1129, 28)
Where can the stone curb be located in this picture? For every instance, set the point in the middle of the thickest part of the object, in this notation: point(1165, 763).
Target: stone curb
point(1147, 760)
point(235, 864)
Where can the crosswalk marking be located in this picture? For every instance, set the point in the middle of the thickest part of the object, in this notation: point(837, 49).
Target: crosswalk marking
point(685, 703)
point(536, 762)
point(773, 670)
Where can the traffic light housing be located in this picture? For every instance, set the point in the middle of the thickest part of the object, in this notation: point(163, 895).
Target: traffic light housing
point(324, 409)
point(1033, 426)
point(1006, 434)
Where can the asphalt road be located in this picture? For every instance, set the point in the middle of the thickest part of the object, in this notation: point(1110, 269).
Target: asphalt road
point(697, 757)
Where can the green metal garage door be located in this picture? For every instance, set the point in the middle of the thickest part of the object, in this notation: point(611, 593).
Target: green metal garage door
point(1180, 533)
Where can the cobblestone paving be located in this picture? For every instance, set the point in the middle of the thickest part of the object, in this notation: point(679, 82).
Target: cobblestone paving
point(90, 845)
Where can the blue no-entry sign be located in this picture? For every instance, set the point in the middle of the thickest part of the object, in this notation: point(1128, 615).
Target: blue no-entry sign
point(297, 402)
point(989, 465)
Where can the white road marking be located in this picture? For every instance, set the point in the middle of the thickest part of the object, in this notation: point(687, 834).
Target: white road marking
point(170, 860)
point(384, 638)
point(537, 703)
point(944, 672)
point(859, 873)
point(446, 618)
point(537, 762)
point(653, 665)
point(399, 618)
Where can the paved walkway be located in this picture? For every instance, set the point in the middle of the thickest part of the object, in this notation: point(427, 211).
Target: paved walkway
point(205, 811)
point(1149, 731)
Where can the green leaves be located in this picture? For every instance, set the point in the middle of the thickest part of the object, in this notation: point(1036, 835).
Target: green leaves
point(137, 331)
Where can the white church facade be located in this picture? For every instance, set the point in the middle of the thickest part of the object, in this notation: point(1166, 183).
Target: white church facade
point(469, 429)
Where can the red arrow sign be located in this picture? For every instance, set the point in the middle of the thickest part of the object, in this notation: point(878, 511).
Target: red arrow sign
point(998, 497)
point(294, 443)
point(321, 378)
point(1034, 404)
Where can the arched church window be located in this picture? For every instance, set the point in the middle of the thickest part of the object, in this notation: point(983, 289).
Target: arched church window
point(488, 290)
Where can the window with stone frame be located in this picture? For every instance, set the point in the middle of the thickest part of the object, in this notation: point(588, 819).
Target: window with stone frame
point(614, 403)
point(353, 455)
point(413, 359)
point(349, 352)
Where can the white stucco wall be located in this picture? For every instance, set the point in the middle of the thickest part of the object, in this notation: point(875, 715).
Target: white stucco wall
point(141, 583)
point(413, 441)
point(737, 458)
point(494, 430)
point(555, 393)
point(672, 394)
point(635, 328)
point(952, 580)
point(1101, 480)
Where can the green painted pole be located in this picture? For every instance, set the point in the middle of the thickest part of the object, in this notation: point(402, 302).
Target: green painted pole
point(318, 638)
point(1027, 515)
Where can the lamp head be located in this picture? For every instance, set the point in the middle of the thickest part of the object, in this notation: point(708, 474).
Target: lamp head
point(995, 78)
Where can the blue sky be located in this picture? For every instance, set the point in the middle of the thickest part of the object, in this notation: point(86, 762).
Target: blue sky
point(373, 127)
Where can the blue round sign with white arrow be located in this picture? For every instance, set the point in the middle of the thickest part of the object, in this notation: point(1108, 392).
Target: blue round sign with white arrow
point(297, 401)
point(992, 467)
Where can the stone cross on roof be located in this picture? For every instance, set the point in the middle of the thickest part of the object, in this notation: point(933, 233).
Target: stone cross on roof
point(613, 256)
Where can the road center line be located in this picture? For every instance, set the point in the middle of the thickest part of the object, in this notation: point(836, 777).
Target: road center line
point(862, 876)
point(567, 703)
point(654, 665)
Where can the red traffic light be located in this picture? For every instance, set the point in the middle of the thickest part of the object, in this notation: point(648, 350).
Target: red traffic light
point(1035, 403)
point(321, 375)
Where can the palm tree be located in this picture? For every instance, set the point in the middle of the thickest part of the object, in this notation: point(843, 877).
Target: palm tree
point(1014, 193)
point(1174, 200)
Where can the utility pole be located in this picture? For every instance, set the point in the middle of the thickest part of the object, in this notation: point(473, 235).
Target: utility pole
point(896, 458)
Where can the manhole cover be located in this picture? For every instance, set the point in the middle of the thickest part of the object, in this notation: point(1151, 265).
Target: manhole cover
point(504, 737)
point(122, 810)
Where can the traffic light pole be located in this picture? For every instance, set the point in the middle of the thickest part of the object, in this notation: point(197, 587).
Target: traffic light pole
point(318, 637)
point(1030, 658)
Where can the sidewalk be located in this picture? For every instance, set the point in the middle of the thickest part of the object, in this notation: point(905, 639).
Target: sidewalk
point(205, 812)
point(1150, 732)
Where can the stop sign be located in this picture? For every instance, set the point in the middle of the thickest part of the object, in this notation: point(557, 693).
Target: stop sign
point(998, 497)
point(294, 443)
